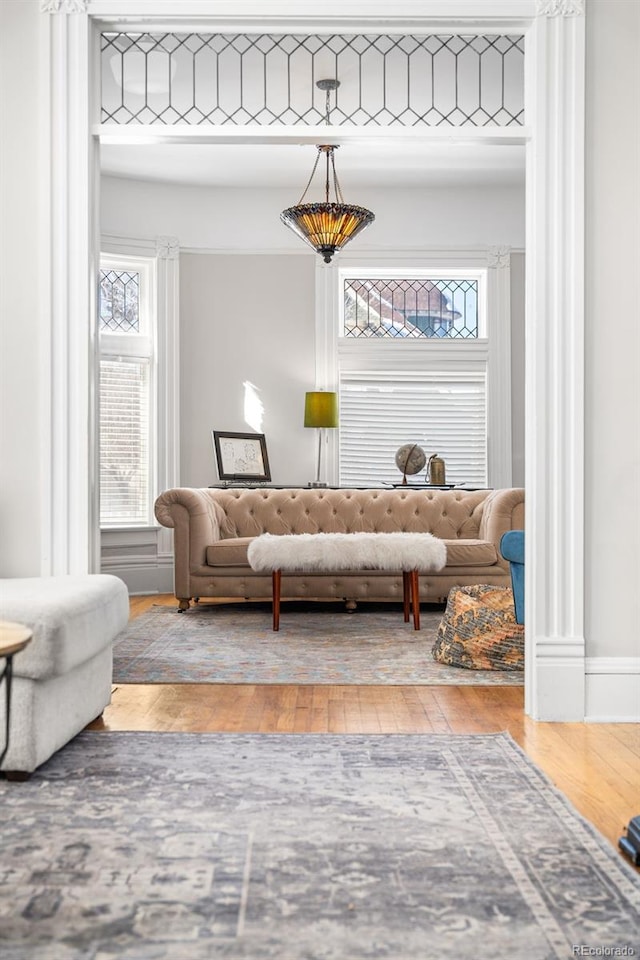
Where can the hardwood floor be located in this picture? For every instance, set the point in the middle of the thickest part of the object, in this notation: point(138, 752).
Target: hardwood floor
point(597, 766)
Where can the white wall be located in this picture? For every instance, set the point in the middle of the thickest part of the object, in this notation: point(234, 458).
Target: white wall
point(22, 425)
point(246, 318)
point(246, 220)
point(613, 331)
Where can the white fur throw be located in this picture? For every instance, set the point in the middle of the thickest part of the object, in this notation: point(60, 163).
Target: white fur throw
point(328, 552)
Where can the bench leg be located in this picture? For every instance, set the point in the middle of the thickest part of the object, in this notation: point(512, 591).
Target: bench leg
point(415, 597)
point(406, 590)
point(276, 578)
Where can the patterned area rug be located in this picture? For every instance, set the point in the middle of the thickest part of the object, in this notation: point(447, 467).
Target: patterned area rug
point(316, 643)
point(172, 846)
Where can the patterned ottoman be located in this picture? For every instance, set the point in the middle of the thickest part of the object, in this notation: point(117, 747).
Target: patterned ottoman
point(479, 630)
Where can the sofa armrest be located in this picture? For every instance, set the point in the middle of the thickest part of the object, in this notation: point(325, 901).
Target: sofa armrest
point(196, 520)
point(503, 511)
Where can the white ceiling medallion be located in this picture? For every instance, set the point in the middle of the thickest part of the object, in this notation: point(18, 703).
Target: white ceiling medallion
point(560, 8)
point(63, 6)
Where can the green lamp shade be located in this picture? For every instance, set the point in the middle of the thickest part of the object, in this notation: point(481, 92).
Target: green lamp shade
point(321, 409)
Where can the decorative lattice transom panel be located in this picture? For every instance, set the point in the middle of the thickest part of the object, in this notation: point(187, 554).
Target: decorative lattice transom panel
point(119, 301)
point(384, 80)
point(411, 308)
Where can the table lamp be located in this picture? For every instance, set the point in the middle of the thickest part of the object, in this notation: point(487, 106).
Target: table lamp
point(320, 411)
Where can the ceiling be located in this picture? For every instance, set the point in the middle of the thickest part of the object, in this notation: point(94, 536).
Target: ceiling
point(280, 165)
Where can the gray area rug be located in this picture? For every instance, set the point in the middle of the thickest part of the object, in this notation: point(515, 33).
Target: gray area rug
point(173, 846)
point(316, 643)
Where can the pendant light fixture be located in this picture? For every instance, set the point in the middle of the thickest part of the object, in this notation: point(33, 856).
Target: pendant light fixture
point(326, 226)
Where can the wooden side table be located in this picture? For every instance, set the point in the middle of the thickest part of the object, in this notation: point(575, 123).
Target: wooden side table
point(13, 638)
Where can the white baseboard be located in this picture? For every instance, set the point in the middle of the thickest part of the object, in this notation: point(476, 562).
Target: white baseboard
point(559, 679)
point(142, 575)
point(612, 690)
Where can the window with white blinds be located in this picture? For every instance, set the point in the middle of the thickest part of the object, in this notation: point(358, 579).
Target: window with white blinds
point(412, 357)
point(124, 441)
point(444, 412)
point(127, 385)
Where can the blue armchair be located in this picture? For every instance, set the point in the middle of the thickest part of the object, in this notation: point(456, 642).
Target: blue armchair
point(512, 549)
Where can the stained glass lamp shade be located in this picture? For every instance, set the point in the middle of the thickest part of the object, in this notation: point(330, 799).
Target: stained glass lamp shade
point(327, 226)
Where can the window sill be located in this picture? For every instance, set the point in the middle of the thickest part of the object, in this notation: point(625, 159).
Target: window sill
point(134, 528)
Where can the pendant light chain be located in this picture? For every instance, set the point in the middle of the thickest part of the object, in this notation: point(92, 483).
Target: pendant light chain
point(326, 181)
point(336, 182)
point(328, 105)
point(315, 167)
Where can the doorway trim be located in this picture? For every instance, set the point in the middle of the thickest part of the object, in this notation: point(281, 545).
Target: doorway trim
point(554, 105)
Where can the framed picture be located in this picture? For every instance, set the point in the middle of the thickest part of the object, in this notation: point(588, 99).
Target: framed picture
point(241, 456)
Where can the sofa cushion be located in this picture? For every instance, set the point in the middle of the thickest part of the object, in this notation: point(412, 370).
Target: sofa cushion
point(460, 553)
point(72, 618)
point(229, 553)
point(471, 553)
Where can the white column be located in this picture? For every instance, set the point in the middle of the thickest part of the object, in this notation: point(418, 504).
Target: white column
point(69, 495)
point(168, 349)
point(555, 357)
point(499, 380)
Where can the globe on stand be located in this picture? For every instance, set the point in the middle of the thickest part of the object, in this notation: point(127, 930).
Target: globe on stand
point(410, 459)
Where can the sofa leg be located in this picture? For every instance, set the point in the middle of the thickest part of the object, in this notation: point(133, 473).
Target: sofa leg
point(351, 606)
point(18, 776)
point(183, 605)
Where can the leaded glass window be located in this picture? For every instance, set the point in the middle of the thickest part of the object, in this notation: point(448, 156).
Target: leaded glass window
point(266, 79)
point(119, 301)
point(419, 308)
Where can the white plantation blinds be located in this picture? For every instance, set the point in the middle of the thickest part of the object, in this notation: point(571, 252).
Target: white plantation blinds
point(124, 441)
point(443, 412)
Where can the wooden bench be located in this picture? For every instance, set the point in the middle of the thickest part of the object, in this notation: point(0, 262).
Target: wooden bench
point(349, 553)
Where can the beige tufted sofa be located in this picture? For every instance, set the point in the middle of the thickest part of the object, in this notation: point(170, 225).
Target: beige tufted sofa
point(213, 528)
